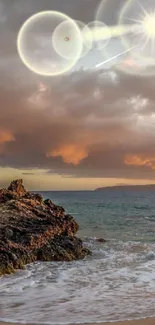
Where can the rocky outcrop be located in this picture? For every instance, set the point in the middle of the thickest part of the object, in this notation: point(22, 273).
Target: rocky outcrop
point(34, 229)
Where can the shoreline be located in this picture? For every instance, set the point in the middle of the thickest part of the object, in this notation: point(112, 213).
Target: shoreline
point(143, 321)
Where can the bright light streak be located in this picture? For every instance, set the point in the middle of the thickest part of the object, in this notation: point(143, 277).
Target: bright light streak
point(103, 33)
point(114, 57)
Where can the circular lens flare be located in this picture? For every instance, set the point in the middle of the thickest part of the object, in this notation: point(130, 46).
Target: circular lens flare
point(86, 38)
point(99, 33)
point(34, 44)
point(67, 51)
point(65, 41)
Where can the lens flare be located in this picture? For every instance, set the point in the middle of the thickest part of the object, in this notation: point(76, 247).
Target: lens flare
point(112, 58)
point(66, 46)
point(143, 21)
point(34, 44)
point(65, 41)
point(87, 40)
point(148, 25)
point(99, 33)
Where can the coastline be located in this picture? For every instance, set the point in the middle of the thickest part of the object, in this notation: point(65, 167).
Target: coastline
point(144, 321)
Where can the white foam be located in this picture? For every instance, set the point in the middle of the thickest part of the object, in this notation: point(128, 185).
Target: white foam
point(116, 283)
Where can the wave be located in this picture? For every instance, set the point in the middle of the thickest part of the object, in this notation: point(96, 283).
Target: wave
point(84, 291)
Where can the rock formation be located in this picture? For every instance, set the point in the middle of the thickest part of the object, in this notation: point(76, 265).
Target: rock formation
point(33, 229)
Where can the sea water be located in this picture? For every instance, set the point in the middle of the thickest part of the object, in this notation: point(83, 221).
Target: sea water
point(117, 282)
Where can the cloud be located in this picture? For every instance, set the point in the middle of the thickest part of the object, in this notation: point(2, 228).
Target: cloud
point(6, 136)
point(3, 15)
point(76, 133)
point(70, 153)
point(28, 173)
point(140, 161)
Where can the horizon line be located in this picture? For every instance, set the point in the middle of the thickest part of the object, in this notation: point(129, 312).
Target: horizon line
point(91, 190)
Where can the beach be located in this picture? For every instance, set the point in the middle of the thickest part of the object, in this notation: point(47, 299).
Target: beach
point(146, 321)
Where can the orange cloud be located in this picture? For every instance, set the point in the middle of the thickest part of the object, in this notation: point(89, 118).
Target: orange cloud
point(140, 161)
point(71, 153)
point(6, 136)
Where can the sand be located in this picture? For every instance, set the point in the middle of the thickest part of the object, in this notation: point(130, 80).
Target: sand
point(147, 321)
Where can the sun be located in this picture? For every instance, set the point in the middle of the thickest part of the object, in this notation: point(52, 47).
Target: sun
point(145, 25)
point(140, 14)
point(148, 24)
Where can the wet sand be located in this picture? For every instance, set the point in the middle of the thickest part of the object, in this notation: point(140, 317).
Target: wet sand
point(146, 321)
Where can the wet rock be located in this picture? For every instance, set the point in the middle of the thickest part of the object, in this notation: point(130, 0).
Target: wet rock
point(32, 229)
point(101, 240)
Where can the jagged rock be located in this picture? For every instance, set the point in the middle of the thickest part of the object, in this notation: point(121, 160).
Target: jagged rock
point(32, 229)
point(17, 187)
point(49, 203)
point(34, 196)
point(6, 195)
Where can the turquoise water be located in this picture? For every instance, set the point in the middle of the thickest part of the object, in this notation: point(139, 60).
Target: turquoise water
point(117, 282)
point(113, 214)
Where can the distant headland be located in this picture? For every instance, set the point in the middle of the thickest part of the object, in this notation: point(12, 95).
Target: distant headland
point(150, 187)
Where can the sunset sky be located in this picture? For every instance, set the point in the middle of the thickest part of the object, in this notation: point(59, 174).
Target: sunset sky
point(87, 129)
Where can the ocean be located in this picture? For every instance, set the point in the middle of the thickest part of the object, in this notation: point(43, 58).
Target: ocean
point(116, 283)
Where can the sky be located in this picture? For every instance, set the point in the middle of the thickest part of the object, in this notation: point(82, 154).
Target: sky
point(81, 130)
